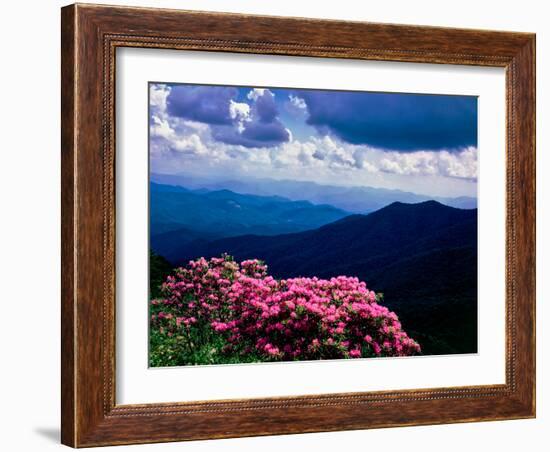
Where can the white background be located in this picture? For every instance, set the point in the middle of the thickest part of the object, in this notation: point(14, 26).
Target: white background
point(29, 393)
point(137, 384)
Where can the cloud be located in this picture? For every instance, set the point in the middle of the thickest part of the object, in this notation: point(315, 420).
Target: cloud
point(397, 122)
point(169, 135)
point(296, 106)
point(208, 104)
point(231, 122)
point(157, 96)
point(461, 165)
point(253, 134)
point(258, 127)
point(240, 113)
point(239, 110)
point(172, 137)
point(265, 107)
point(254, 141)
point(333, 154)
point(297, 102)
point(184, 138)
point(255, 93)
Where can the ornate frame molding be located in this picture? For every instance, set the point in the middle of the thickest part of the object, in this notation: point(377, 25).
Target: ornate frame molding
point(90, 37)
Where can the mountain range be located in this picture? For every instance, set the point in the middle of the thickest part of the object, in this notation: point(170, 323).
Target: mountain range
point(422, 256)
point(426, 249)
point(366, 246)
point(352, 199)
point(180, 216)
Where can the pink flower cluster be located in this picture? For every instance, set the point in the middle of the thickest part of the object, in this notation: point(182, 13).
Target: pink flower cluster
point(288, 319)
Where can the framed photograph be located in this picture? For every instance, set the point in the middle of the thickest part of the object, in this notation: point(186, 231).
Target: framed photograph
point(281, 225)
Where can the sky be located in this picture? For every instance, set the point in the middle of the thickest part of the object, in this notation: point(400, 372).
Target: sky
point(422, 143)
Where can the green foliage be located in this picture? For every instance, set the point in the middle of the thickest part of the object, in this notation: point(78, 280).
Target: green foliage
point(210, 313)
point(193, 349)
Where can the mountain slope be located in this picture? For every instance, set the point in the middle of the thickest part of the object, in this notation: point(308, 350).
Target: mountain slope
point(357, 243)
point(224, 213)
point(423, 257)
point(352, 199)
point(179, 215)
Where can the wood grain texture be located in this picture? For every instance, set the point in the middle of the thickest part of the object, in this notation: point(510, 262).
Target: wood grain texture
point(90, 36)
point(68, 244)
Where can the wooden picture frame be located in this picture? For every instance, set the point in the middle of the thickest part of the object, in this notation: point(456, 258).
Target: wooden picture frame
point(90, 36)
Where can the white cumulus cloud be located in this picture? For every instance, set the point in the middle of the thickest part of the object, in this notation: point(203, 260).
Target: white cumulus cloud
point(297, 102)
point(176, 143)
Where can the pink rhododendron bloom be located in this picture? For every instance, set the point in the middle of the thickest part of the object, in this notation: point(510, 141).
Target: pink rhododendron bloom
point(288, 319)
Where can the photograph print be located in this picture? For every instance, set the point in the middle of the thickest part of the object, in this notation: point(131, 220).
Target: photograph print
point(294, 224)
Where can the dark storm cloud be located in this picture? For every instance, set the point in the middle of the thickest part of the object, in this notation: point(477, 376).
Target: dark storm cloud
point(211, 105)
point(265, 108)
point(400, 122)
point(208, 104)
point(256, 134)
point(262, 129)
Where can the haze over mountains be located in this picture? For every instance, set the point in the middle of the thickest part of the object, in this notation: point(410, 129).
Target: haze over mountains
point(422, 256)
point(352, 199)
point(179, 216)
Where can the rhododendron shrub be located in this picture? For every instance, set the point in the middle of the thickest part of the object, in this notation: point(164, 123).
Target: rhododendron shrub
point(220, 311)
